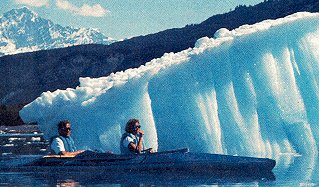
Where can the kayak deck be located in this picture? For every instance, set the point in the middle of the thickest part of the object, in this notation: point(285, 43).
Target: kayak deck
point(172, 163)
point(174, 166)
point(176, 160)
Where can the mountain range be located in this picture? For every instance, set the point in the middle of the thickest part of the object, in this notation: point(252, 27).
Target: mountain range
point(22, 30)
point(26, 76)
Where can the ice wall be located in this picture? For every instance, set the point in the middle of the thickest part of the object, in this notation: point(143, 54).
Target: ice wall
point(250, 91)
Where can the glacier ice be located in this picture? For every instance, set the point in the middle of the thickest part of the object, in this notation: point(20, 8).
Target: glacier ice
point(250, 91)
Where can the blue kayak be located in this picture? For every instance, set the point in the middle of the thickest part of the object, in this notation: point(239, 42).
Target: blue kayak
point(166, 161)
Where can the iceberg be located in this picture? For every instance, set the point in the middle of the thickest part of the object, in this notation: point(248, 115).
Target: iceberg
point(251, 91)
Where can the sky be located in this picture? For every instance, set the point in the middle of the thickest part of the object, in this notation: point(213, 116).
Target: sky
point(121, 19)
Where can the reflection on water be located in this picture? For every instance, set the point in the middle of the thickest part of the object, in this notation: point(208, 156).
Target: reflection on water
point(138, 179)
point(67, 183)
point(290, 171)
point(297, 171)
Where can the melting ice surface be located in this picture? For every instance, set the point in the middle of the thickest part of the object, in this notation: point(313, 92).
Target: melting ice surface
point(252, 91)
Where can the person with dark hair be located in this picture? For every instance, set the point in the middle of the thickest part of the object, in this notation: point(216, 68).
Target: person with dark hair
point(132, 140)
point(64, 144)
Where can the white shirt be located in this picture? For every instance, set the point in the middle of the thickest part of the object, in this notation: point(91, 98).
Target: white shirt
point(57, 145)
point(128, 140)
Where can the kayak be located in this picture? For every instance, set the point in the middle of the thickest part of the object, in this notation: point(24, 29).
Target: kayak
point(180, 160)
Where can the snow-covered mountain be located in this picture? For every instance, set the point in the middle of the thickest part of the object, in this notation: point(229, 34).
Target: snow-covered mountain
point(22, 30)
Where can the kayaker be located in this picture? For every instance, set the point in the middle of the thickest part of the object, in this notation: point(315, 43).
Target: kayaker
point(64, 144)
point(132, 140)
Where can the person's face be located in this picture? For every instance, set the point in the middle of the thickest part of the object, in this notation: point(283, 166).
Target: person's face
point(137, 127)
point(66, 130)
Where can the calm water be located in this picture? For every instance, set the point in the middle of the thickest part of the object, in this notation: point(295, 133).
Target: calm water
point(290, 171)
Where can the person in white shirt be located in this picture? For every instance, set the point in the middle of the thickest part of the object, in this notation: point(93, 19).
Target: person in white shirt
point(64, 144)
point(132, 140)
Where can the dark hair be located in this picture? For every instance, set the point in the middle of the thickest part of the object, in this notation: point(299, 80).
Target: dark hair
point(63, 123)
point(130, 125)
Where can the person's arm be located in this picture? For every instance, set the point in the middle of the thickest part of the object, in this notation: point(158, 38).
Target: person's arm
point(137, 148)
point(71, 154)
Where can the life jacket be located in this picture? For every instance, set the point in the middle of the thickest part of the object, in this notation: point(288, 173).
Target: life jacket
point(68, 143)
point(126, 150)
